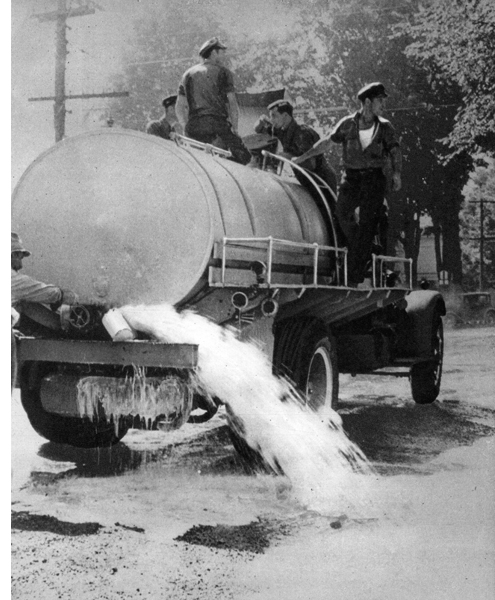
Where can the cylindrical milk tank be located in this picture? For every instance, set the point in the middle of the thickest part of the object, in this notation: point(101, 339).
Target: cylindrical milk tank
point(123, 217)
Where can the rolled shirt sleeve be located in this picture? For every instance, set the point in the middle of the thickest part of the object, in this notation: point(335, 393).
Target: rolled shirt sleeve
point(26, 288)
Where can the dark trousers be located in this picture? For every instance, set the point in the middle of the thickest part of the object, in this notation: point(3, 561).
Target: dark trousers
point(363, 189)
point(209, 130)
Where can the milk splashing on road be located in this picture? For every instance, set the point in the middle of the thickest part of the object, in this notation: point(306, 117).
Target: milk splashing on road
point(327, 471)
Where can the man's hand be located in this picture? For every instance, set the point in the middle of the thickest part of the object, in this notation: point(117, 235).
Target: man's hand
point(178, 128)
point(68, 297)
point(397, 183)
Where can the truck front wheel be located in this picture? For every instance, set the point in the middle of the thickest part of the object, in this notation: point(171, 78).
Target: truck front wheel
point(83, 432)
point(426, 375)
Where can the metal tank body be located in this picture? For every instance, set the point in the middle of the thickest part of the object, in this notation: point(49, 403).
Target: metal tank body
point(123, 217)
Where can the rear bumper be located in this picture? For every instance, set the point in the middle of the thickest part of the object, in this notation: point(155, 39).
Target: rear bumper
point(140, 353)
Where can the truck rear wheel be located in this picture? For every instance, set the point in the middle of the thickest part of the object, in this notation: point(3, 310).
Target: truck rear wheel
point(318, 372)
point(83, 432)
point(426, 376)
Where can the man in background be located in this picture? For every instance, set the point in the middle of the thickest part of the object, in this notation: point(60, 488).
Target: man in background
point(164, 126)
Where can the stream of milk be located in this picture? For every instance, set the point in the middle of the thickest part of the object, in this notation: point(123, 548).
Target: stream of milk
point(328, 472)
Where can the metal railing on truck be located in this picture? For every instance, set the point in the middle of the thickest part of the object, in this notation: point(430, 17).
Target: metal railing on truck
point(273, 263)
point(326, 272)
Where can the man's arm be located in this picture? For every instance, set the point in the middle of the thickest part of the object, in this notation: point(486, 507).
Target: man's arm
point(26, 288)
point(396, 156)
point(233, 111)
point(181, 110)
point(320, 147)
point(263, 125)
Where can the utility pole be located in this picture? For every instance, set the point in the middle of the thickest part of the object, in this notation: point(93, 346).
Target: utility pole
point(60, 16)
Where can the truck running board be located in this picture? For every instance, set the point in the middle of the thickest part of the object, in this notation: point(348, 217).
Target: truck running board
point(141, 353)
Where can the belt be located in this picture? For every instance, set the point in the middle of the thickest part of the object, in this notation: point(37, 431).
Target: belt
point(369, 170)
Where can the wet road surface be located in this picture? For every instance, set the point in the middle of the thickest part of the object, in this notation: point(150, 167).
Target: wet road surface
point(178, 515)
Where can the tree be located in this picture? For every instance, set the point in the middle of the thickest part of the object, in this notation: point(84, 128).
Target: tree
point(454, 40)
point(480, 188)
point(332, 52)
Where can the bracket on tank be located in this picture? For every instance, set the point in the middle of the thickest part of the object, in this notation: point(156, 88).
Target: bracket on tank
point(185, 142)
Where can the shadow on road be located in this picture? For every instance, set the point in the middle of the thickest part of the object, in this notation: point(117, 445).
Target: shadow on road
point(401, 438)
point(211, 452)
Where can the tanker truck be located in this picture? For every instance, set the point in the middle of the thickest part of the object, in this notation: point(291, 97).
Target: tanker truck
point(124, 218)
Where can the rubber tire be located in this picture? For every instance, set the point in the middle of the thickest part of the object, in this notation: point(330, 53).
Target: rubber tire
point(426, 377)
point(489, 318)
point(79, 432)
point(318, 368)
point(451, 320)
point(312, 343)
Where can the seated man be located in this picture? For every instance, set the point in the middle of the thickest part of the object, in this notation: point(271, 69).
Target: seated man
point(28, 289)
point(166, 124)
point(296, 139)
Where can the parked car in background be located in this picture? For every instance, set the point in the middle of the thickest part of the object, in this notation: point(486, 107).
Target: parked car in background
point(475, 307)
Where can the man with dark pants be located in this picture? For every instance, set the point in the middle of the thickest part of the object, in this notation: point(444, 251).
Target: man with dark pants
point(368, 140)
point(207, 106)
point(166, 124)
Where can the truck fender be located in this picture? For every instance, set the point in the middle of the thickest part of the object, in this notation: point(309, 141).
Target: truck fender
point(422, 307)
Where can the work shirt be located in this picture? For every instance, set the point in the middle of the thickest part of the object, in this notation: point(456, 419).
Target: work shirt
point(374, 156)
point(26, 288)
point(205, 87)
point(160, 128)
point(298, 139)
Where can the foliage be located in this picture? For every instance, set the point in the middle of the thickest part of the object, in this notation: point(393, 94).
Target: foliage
point(454, 41)
point(334, 50)
point(481, 186)
point(157, 58)
point(329, 53)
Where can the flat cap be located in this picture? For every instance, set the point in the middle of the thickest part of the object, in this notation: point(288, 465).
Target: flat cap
point(213, 44)
point(169, 101)
point(372, 90)
point(280, 104)
point(16, 244)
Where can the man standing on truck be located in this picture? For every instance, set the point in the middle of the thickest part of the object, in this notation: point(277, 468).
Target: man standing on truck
point(207, 107)
point(368, 141)
point(166, 124)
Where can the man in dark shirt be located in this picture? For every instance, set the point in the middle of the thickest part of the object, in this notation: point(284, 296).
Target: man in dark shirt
point(166, 124)
point(207, 107)
point(368, 141)
point(296, 139)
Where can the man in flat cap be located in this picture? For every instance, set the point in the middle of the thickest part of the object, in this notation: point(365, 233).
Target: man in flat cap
point(206, 105)
point(166, 123)
point(296, 139)
point(27, 289)
point(369, 143)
